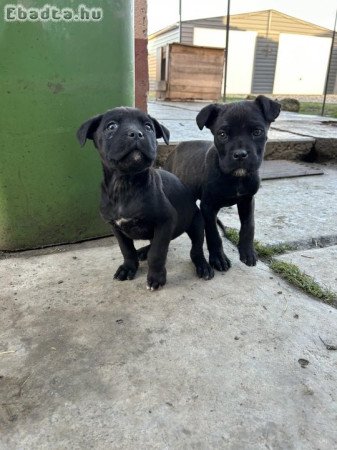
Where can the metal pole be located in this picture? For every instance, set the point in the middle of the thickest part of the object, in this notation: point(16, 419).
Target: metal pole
point(329, 65)
point(226, 49)
point(180, 1)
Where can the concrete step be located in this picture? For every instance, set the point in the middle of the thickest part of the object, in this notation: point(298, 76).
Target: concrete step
point(289, 147)
point(292, 136)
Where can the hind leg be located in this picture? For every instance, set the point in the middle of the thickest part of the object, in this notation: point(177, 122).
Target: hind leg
point(142, 252)
point(196, 234)
point(217, 257)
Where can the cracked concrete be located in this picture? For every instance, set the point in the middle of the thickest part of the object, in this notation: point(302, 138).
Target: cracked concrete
point(319, 263)
point(90, 362)
point(301, 211)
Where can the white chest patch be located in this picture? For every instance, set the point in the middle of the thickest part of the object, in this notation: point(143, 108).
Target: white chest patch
point(137, 156)
point(122, 221)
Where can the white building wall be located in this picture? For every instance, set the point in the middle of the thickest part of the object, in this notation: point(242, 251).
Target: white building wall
point(241, 51)
point(301, 64)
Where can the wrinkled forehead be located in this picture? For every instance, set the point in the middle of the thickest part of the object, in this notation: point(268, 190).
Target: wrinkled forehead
point(241, 114)
point(125, 115)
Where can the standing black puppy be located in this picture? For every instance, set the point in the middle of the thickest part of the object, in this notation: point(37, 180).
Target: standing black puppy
point(227, 172)
point(139, 201)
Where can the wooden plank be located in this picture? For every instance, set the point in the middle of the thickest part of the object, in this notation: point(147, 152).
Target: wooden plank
point(195, 60)
point(192, 89)
point(206, 69)
point(180, 96)
point(200, 57)
point(197, 78)
point(202, 95)
point(186, 64)
point(194, 49)
point(212, 83)
point(188, 75)
point(192, 68)
point(202, 68)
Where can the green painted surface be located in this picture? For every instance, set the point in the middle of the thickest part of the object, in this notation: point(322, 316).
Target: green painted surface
point(53, 76)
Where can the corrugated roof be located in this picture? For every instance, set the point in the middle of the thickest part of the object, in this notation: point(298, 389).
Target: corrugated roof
point(176, 25)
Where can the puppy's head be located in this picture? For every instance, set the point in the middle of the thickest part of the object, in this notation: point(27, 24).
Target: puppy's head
point(240, 132)
point(125, 138)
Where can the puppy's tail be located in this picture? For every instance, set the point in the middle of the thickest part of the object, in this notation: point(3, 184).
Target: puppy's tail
point(221, 226)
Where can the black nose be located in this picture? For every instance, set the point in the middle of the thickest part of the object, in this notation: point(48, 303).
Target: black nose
point(240, 154)
point(134, 134)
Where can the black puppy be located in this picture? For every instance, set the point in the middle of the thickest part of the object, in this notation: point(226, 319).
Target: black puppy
point(227, 172)
point(139, 201)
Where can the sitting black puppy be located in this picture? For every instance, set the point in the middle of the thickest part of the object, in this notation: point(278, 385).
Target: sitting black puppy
point(227, 172)
point(139, 201)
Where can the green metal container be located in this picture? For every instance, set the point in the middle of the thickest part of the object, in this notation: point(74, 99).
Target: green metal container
point(53, 76)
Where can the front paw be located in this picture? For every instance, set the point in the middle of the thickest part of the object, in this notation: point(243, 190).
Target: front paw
point(156, 279)
point(204, 270)
point(248, 255)
point(125, 272)
point(219, 261)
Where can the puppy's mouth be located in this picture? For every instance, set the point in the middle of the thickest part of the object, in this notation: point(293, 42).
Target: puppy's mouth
point(134, 161)
point(135, 155)
point(240, 172)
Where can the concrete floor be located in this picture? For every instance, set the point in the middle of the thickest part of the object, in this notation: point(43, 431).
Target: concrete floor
point(90, 362)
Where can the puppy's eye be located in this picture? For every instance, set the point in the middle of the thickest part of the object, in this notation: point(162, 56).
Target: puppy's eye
point(148, 127)
point(257, 132)
point(223, 134)
point(111, 126)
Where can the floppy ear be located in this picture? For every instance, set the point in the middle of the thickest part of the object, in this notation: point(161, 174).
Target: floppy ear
point(270, 108)
point(207, 115)
point(161, 131)
point(88, 128)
